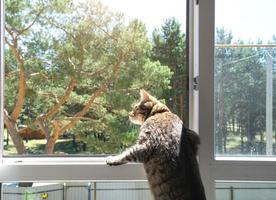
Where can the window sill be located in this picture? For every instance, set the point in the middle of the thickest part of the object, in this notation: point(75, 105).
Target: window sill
point(69, 169)
point(246, 158)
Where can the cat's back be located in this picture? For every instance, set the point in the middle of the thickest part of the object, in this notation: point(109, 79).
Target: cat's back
point(164, 133)
point(165, 123)
point(163, 167)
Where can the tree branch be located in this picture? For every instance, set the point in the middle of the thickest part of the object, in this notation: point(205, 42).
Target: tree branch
point(96, 94)
point(61, 101)
point(49, 94)
point(6, 117)
point(20, 32)
point(21, 83)
point(11, 73)
point(53, 23)
point(92, 74)
point(44, 128)
point(80, 118)
point(80, 114)
point(10, 31)
point(21, 94)
point(105, 31)
point(39, 74)
point(128, 90)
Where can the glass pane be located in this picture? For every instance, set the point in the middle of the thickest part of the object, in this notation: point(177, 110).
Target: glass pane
point(245, 190)
point(79, 191)
point(73, 70)
point(245, 56)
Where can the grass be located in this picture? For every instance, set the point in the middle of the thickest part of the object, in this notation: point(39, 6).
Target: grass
point(233, 145)
point(62, 147)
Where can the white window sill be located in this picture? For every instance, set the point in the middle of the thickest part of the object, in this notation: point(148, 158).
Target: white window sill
point(67, 169)
point(246, 158)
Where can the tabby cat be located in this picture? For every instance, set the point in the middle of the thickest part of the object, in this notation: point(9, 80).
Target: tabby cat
point(169, 157)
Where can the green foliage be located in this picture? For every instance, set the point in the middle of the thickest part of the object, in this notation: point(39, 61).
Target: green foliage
point(240, 85)
point(68, 40)
point(169, 48)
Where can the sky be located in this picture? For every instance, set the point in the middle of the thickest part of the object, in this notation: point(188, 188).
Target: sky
point(151, 12)
point(248, 20)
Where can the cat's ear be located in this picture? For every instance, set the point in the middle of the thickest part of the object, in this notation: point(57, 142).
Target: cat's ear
point(144, 95)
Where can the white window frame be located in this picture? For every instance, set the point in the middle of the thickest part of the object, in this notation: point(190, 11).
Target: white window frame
point(218, 169)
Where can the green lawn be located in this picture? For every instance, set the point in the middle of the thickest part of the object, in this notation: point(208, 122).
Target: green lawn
point(62, 147)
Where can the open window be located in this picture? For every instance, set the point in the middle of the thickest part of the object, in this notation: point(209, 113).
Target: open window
point(73, 70)
point(70, 73)
point(236, 110)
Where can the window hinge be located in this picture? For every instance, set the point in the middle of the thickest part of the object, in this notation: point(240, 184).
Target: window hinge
point(195, 82)
point(197, 2)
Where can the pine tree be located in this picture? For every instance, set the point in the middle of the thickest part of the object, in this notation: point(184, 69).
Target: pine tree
point(169, 47)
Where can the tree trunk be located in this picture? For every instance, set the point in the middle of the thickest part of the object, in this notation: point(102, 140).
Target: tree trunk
point(17, 140)
point(233, 125)
point(10, 121)
point(14, 133)
point(8, 138)
point(174, 98)
point(225, 134)
point(251, 132)
point(51, 139)
point(50, 145)
point(241, 133)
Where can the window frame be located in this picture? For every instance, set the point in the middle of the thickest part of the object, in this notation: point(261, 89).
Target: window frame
point(218, 169)
point(1, 75)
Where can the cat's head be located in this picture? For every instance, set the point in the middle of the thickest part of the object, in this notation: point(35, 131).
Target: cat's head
point(146, 107)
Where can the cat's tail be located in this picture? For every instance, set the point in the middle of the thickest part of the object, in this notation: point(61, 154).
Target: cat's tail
point(193, 140)
point(188, 157)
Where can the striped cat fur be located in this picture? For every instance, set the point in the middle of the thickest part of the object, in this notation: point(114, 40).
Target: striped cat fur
point(167, 149)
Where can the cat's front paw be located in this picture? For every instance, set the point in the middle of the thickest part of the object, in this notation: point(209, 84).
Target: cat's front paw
point(114, 160)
